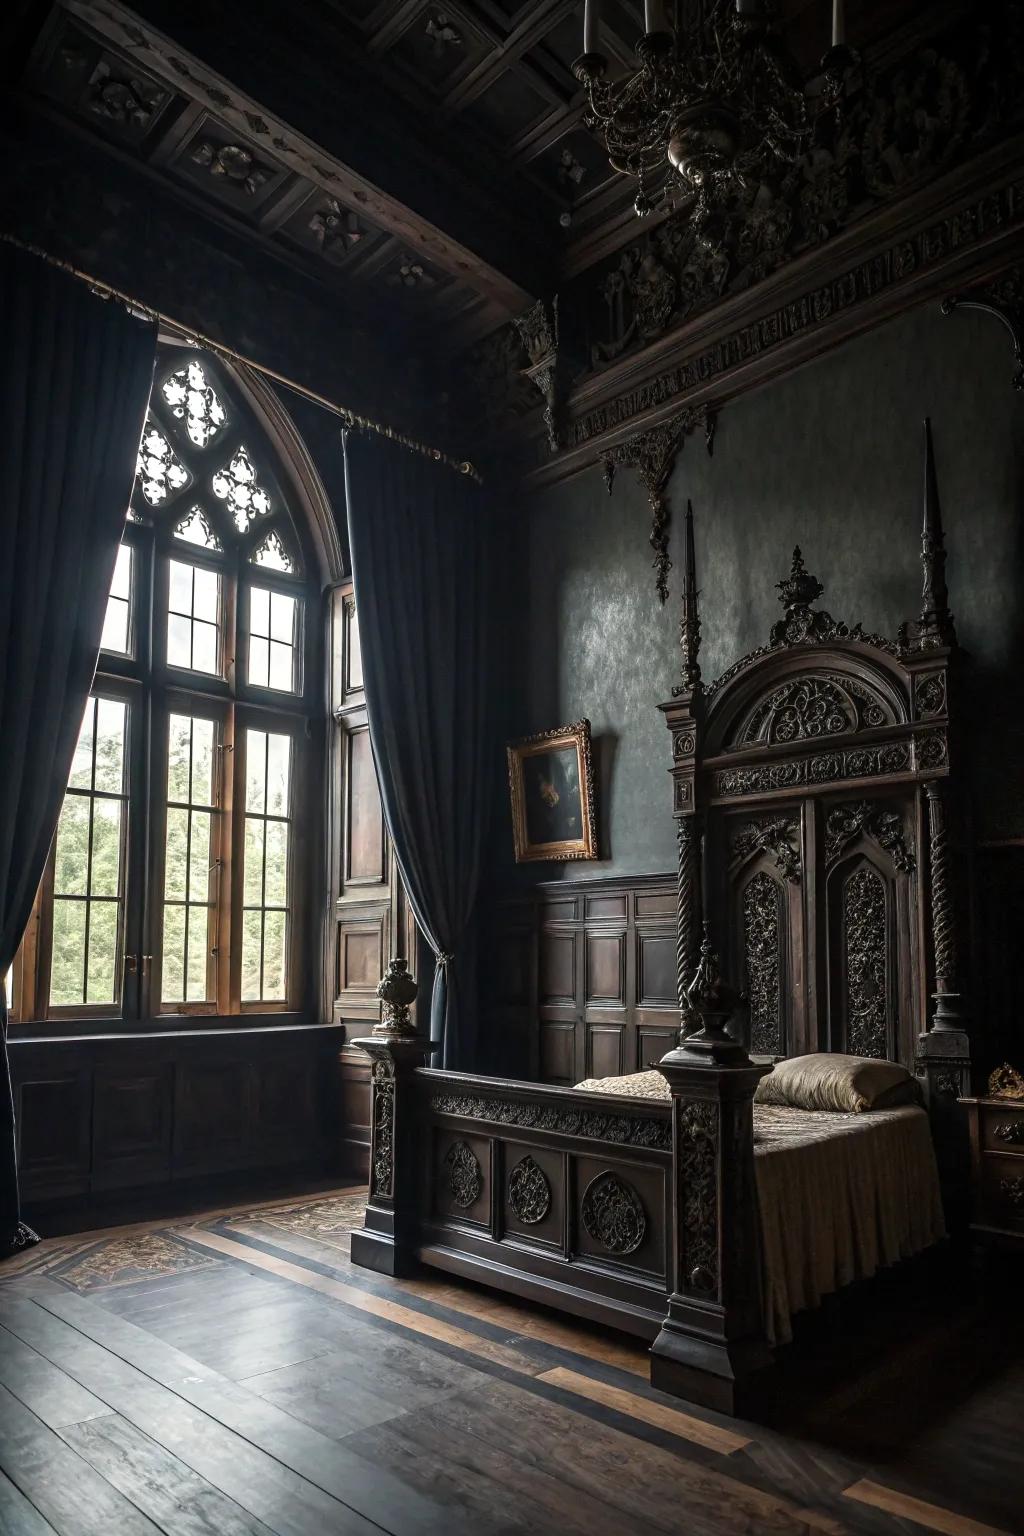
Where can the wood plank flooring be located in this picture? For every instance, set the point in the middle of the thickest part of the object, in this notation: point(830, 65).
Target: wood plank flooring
point(235, 1375)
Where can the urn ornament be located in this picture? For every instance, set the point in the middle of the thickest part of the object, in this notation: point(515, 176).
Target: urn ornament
point(397, 991)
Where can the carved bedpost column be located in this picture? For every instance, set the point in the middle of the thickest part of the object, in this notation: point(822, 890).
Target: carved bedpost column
point(386, 1242)
point(712, 1342)
point(682, 716)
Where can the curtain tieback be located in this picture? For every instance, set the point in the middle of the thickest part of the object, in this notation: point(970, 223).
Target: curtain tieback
point(443, 959)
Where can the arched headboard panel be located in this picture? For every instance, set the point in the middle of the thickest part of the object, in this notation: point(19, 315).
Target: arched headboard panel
point(811, 790)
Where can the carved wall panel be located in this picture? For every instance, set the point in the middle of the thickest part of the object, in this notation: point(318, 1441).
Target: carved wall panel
point(865, 945)
point(763, 951)
point(698, 1196)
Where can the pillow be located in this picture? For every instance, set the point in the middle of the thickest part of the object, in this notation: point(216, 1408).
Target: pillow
point(829, 1081)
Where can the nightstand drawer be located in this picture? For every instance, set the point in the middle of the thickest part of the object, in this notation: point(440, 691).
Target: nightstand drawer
point(1002, 1130)
point(1001, 1195)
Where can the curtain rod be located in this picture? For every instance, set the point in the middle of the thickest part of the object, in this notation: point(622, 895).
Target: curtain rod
point(350, 417)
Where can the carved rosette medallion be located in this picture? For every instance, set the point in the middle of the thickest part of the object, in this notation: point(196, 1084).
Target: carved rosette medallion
point(762, 936)
point(464, 1177)
point(613, 1214)
point(698, 1196)
point(865, 953)
point(382, 1167)
point(529, 1193)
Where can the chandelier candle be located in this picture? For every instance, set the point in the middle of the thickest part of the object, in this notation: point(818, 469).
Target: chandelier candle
point(838, 23)
point(591, 24)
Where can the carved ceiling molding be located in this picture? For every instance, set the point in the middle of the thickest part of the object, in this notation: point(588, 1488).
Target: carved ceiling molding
point(256, 131)
point(653, 455)
point(1002, 297)
point(900, 258)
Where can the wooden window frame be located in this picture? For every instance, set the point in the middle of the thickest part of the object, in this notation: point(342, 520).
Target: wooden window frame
point(154, 690)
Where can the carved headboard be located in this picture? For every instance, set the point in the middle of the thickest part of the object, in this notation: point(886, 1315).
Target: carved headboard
point(811, 796)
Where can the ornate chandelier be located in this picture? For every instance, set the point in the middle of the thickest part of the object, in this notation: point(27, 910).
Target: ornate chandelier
point(716, 98)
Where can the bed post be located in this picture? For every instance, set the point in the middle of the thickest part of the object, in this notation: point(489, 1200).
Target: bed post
point(682, 716)
point(943, 1064)
point(386, 1242)
point(713, 1340)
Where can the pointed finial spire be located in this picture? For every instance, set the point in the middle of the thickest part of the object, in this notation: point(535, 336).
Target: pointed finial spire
point(935, 626)
point(689, 623)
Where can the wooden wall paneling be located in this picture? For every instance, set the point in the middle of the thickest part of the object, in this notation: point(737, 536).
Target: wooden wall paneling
point(101, 1115)
point(54, 1120)
point(365, 840)
point(133, 1118)
point(352, 1142)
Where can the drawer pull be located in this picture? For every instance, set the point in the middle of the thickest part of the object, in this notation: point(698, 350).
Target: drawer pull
point(1012, 1191)
point(1012, 1132)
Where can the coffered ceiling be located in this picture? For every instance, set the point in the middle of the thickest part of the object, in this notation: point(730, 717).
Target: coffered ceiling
point(428, 155)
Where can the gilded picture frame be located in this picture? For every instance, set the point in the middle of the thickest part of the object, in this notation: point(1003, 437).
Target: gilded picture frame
point(551, 783)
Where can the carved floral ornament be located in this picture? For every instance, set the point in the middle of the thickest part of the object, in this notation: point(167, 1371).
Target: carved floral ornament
point(613, 1215)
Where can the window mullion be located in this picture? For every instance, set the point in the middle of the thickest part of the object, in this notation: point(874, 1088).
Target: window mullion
point(231, 831)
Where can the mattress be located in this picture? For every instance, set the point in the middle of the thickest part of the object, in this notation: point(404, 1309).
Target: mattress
point(840, 1196)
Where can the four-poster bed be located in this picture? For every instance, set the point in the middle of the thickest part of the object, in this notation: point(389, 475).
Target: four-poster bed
point(810, 793)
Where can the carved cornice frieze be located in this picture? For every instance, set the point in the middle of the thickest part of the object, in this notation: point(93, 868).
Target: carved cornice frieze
point(753, 337)
point(924, 752)
point(564, 1119)
point(653, 455)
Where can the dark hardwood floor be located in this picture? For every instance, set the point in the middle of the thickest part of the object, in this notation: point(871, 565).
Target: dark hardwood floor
point(233, 1375)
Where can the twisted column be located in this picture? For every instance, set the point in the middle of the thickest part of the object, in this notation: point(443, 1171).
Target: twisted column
point(688, 914)
point(943, 906)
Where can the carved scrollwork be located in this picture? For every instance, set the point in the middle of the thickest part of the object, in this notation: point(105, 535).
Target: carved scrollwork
point(930, 694)
point(698, 1185)
point(1012, 1132)
point(804, 708)
point(762, 935)
point(849, 763)
point(382, 1169)
point(628, 1130)
point(465, 1179)
point(613, 1214)
point(529, 1193)
point(845, 823)
point(777, 835)
point(653, 455)
point(865, 946)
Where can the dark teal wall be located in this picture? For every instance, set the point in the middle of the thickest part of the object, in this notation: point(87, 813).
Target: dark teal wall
point(829, 458)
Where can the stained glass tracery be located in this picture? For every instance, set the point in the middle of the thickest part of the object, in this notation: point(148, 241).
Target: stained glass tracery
point(161, 473)
point(237, 484)
point(192, 398)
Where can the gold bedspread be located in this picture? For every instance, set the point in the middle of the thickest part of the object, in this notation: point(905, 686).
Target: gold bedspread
point(840, 1196)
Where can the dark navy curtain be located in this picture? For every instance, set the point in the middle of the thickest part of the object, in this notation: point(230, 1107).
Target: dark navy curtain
point(420, 547)
point(75, 376)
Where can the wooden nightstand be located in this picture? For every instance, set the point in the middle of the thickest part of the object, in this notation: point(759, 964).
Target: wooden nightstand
point(997, 1166)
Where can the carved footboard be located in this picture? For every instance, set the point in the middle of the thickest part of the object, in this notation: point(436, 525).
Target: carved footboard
point(558, 1196)
point(635, 1213)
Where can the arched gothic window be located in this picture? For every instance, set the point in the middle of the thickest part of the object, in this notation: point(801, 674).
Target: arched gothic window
point(180, 874)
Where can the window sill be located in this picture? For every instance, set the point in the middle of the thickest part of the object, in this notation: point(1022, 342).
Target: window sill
point(83, 1030)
